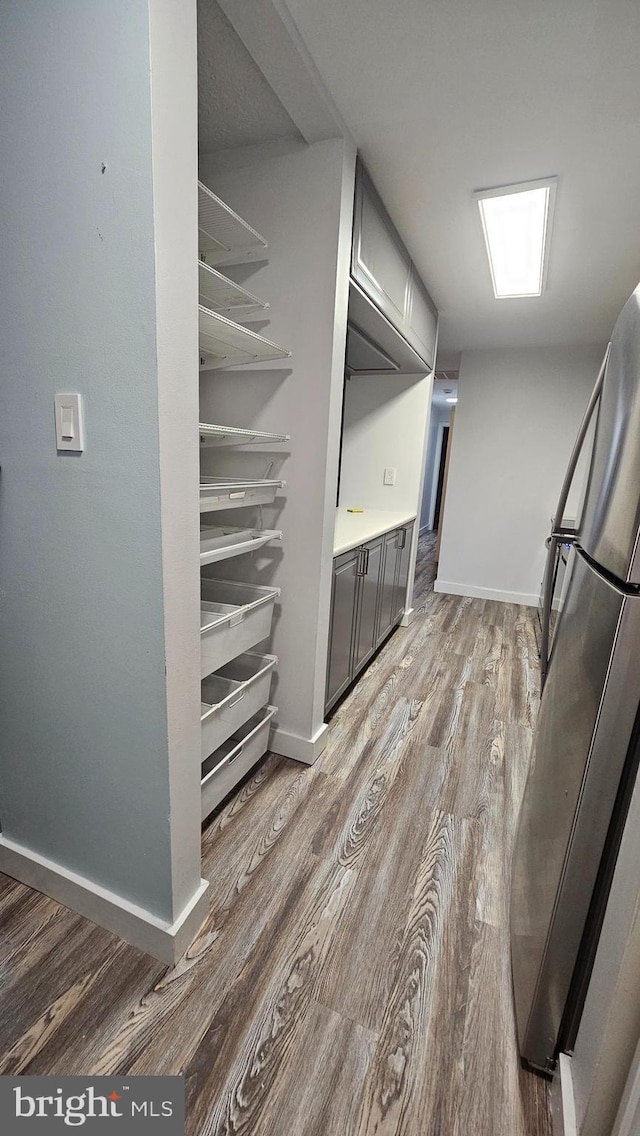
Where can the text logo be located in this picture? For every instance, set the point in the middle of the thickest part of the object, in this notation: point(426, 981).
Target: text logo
point(56, 1104)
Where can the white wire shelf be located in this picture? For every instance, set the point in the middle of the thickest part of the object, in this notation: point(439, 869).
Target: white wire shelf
point(219, 294)
point(224, 541)
point(235, 493)
point(223, 235)
point(224, 343)
point(212, 435)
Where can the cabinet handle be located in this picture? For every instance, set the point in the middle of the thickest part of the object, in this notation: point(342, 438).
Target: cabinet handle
point(403, 538)
point(237, 753)
point(362, 566)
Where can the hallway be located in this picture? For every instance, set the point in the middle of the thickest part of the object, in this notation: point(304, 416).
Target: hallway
point(353, 975)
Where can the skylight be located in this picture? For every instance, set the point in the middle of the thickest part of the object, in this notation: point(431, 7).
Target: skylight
point(516, 221)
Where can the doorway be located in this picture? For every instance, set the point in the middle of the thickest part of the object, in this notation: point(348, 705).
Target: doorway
point(440, 484)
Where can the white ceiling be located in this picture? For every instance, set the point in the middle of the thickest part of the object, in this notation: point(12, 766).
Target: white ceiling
point(444, 98)
point(445, 385)
point(236, 105)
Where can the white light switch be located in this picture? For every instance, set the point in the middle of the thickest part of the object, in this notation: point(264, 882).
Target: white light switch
point(389, 476)
point(67, 429)
point(69, 423)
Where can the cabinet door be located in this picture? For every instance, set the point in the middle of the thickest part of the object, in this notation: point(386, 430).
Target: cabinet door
point(404, 542)
point(343, 609)
point(380, 263)
point(388, 585)
point(371, 562)
point(423, 321)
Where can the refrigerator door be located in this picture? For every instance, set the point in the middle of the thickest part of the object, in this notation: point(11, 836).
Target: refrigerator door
point(611, 516)
point(583, 732)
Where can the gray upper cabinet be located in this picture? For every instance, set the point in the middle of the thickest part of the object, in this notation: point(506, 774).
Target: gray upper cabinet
point(380, 263)
point(383, 275)
point(423, 320)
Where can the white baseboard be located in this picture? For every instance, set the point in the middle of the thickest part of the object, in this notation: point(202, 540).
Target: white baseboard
point(408, 617)
point(528, 599)
point(302, 749)
point(424, 529)
point(563, 1109)
point(165, 941)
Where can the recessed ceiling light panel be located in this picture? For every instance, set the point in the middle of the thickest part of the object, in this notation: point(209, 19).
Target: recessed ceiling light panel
point(516, 221)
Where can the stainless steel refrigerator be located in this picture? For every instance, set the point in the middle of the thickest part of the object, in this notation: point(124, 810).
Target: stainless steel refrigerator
point(587, 740)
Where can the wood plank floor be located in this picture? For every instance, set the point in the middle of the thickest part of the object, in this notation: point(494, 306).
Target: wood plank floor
point(352, 977)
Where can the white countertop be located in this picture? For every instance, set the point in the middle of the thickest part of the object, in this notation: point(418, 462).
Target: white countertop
point(357, 528)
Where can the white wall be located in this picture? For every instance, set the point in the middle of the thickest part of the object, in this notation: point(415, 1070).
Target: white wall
point(439, 417)
point(174, 148)
point(302, 202)
point(516, 420)
point(385, 424)
point(97, 767)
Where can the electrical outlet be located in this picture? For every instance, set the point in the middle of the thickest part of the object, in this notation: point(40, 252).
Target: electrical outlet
point(389, 477)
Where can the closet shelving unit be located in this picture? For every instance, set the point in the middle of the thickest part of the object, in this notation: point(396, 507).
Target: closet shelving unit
point(219, 294)
point(212, 435)
point(221, 542)
point(223, 346)
point(234, 617)
point(224, 343)
point(233, 493)
point(233, 694)
point(225, 238)
point(235, 757)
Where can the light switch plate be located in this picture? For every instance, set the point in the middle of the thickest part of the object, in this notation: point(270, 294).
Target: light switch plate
point(69, 422)
point(389, 477)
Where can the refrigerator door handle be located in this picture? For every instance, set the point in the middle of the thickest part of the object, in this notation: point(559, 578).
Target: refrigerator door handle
point(560, 535)
point(553, 545)
point(577, 450)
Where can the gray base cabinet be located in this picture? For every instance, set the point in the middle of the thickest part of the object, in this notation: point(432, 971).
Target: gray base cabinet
point(403, 557)
point(388, 605)
point(369, 589)
point(367, 605)
point(343, 619)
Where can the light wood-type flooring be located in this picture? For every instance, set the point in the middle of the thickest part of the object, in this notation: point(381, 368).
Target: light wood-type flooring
point(353, 975)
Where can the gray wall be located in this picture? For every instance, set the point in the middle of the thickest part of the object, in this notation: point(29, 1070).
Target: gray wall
point(517, 417)
point(85, 756)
